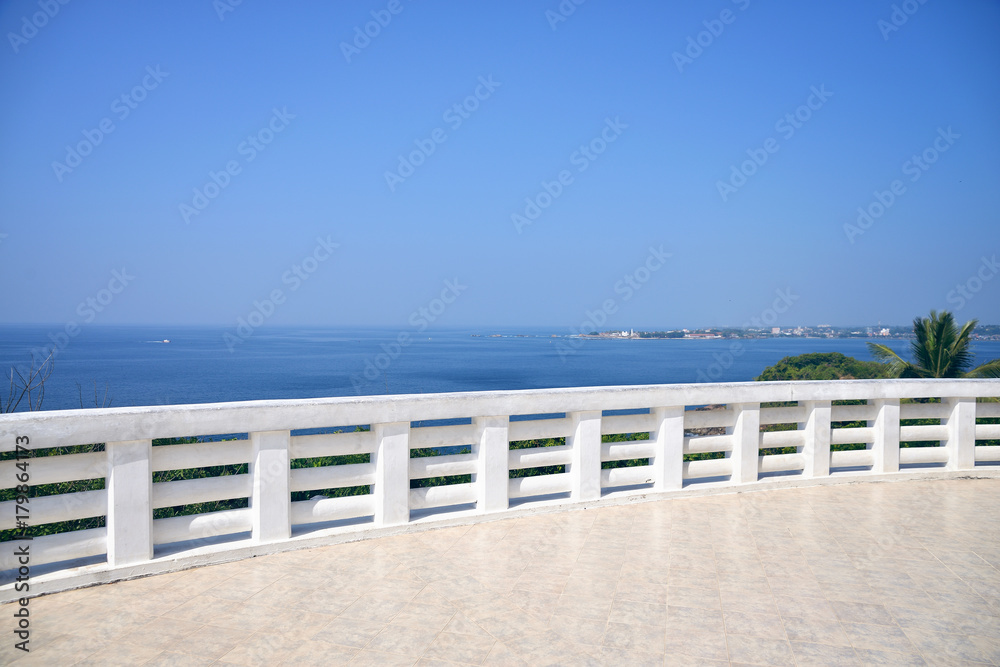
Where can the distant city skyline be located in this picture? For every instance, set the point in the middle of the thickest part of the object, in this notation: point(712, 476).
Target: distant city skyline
point(411, 165)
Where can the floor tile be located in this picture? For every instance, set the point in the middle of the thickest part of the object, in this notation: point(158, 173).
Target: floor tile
point(642, 638)
point(815, 630)
point(757, 625)
point(859, 612)
point(454, 647)
point(769, 577)
point(823, 655)
point(759, 651)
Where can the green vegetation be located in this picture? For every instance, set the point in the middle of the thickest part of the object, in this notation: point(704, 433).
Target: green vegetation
point(823, 366)
point(557, 442)
point(941, 350)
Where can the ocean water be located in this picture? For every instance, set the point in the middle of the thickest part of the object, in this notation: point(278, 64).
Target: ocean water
point(197, 365)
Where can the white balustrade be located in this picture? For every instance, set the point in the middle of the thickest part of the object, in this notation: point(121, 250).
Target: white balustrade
point(673, 444)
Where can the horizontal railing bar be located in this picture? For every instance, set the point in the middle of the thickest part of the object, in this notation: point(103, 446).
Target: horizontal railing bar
point(442, 436)
point(781, 462)
point(332, 477)
point(61, 507)
point(708, 443)
point(923, 411)
point(848, 436)
point(523, 487)
point(852, 457)
point(440, 466)
point(201, 490)
point(708, 468)
point(539, 430)
point(788, 415)
point(925, 432)
point(537, 457)
point(721, 418)
point(200, 455)
point(58, 547)
point(440, 496)
point(988, 453)
point(139, 423)
point(987, 431)
point(627, 476)
point(332, 509)
point(923, 455)
point(781, 439)
point(331, 444)
point(852, 413)
point(627, 424)
point(626, 451)
point(56, 469)
point(198, 526)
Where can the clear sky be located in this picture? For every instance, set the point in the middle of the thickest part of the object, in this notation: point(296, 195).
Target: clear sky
point(669, 164)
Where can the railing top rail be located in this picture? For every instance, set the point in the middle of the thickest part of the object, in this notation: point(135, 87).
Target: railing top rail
point(139, 423)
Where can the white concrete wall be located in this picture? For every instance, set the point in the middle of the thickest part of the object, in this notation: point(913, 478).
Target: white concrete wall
point(129, 459)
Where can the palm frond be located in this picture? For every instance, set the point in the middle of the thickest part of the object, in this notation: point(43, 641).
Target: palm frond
point(940, 349)
point(923, 345)
point(961, 352)
point(896, 365)
point(991, 369)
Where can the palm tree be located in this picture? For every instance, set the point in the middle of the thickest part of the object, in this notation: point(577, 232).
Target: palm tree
point(941, 350)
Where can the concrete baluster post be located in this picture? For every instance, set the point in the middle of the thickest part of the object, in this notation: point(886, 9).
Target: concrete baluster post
point(392, 473)
point(668, 442)
point(129, 485)
point(816, 432)
point(961, 443)
point(270, 500)
point(585, 441)
point(746, 443)
point(491, 448)
point(885, 445)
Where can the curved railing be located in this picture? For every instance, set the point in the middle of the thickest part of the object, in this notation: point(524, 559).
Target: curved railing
point(619, 443)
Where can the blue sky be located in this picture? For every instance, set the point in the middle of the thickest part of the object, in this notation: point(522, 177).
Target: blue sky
point(661, 135)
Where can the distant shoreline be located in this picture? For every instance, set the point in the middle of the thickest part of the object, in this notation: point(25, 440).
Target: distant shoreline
point(992, 334)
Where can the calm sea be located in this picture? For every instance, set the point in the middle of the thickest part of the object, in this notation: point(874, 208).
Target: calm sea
point(197, 366)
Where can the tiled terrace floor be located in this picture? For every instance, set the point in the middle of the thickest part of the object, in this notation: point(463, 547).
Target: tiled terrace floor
point(898, 573)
